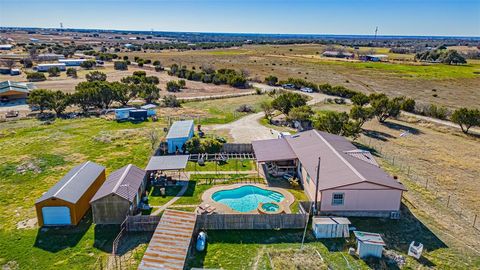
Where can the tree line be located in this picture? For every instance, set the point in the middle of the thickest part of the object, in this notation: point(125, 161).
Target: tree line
point(210, 75)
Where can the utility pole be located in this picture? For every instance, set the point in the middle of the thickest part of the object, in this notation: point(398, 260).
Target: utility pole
point(315, 210)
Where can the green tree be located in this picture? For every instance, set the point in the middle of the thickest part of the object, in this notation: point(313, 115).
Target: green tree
point(383, 107)
point(121, 92)
point(171, 101)
point(173, 86)
point(182, 83)
point(301, 114)
point(466, 118)
point(36, 77)
point(452, 57)
point(331, 122)
point(360, 99)
point(120, 65)
point(361, 114)
point(72, 72)
point(408, 105)
point(194, 145)
point(39, 98)
point(148, 91)
point(268, 109)
point(54, 72)
point(88, 64)
point(271, 80)
point(96, 76)
point(58, 101)
point(286, 101)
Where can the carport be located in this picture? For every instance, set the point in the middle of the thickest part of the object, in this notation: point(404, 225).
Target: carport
point(277, 155)
point(159, 166)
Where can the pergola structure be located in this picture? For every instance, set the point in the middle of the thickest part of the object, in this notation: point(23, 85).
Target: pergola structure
point(164, 164)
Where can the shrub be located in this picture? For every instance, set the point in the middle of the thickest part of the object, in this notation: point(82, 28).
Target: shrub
point(120, 65)
point(96, 76)
point(36, 77)
point(245, 108)
point(466, 118)
point(408, 105)
point(173, 86)
point(88, 64)
point(171, 101)
point(72, 72)
point(271, 80)
point(54, 72)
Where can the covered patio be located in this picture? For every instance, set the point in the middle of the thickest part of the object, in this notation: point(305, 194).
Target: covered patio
point(277, 156)
point(166, 170)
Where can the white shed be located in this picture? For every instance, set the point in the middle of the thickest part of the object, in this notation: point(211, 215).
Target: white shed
point(369, 244)
point(330, 227)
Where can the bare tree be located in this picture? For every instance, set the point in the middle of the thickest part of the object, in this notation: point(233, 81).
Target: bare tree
point(33, 53)
point(9, 63)
point(154, 139)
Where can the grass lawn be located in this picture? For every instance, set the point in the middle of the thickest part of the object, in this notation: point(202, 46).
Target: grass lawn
point(230, 165)
point(156, 199)
point(34, 157)
point(220, 111)
point(193, 194)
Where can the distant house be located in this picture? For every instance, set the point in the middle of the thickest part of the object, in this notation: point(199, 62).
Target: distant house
point(14, 90)
point(119, 195)
point(6, 47)
point(180, 132)
point(46, 67)
point(68, 200)
point(72, 62)
point(350, 181)
point(50, 57)
point(338, 54)
point(374, 57)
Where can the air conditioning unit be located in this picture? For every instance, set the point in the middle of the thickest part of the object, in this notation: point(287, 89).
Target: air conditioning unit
point(395, 215)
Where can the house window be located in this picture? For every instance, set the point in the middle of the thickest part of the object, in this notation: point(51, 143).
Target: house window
point(338, 198)
point(308, 178)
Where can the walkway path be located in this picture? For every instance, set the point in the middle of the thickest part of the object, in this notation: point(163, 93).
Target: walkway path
point(172, 201)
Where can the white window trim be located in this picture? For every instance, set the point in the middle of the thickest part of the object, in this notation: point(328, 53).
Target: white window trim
point(333, 198)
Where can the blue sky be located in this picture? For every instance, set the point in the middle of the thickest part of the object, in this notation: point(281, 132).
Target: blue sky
point(393, 17)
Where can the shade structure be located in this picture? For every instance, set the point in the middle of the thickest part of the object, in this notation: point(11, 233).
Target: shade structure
point(167, 163)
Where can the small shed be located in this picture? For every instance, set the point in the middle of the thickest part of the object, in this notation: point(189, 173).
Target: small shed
point(123, 113)
point(68, 200)
point(119, 196)
point(138, 114)
point(150, 109)
point(180, 132)
point(369, 244)
point(330, 227)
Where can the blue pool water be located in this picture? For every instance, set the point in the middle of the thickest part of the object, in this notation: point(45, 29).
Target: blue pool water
point(246, 198)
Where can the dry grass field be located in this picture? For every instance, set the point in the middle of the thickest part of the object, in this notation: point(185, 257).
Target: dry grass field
point(67, 84)
point(452, 86)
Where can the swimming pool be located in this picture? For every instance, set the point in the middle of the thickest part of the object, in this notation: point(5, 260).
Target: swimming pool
point(246, 198)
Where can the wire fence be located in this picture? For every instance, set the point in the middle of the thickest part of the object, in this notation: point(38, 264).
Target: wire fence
point(445, 198)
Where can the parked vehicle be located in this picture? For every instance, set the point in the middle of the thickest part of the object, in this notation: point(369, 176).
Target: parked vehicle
point(306, 89)
point(288, 86)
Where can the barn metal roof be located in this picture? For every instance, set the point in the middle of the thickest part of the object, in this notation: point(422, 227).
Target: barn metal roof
point(74, 184)
point(165, 163)
point(6, 86)
point(274, 149)
point(123, 182)
point(180, 129)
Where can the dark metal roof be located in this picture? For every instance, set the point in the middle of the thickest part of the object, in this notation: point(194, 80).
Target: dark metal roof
point(274, 149)
point(180, 129)
point(6, 86)
point(165, 163)
point(74, 184)
point(123, 182)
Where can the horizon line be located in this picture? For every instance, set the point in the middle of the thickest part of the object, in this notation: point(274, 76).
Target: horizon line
point(241, 33)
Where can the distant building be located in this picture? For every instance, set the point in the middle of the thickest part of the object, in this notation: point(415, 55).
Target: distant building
point(14, 90)
point(180, 132)
point(15, 71)
point(6, 47)
point(50, 57)
point(374, 57)
point(337, 54)
point(72, 62)
point(46, 67)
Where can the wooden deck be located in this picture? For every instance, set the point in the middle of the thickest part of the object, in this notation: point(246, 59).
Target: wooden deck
point(169, 245)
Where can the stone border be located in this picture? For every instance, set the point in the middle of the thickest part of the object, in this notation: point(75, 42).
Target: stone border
point(222, 208)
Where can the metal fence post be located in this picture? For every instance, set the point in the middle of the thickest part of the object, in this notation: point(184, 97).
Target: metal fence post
point(448, 200)
point(474, 220)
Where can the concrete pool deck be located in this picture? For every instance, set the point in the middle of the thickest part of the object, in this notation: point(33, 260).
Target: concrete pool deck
point(224, 209)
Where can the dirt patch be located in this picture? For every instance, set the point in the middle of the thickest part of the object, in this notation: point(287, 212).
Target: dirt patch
point(308, 258)
point(27, 224)
point(11, 265)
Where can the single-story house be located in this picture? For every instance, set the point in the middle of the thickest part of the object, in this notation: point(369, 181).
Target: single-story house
point(68, 200)
point(350, 182)
point(46, 67)
point(338, 54)
point(14, 90)
point(180, 132)
point(50, 57)
point(119, 195)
